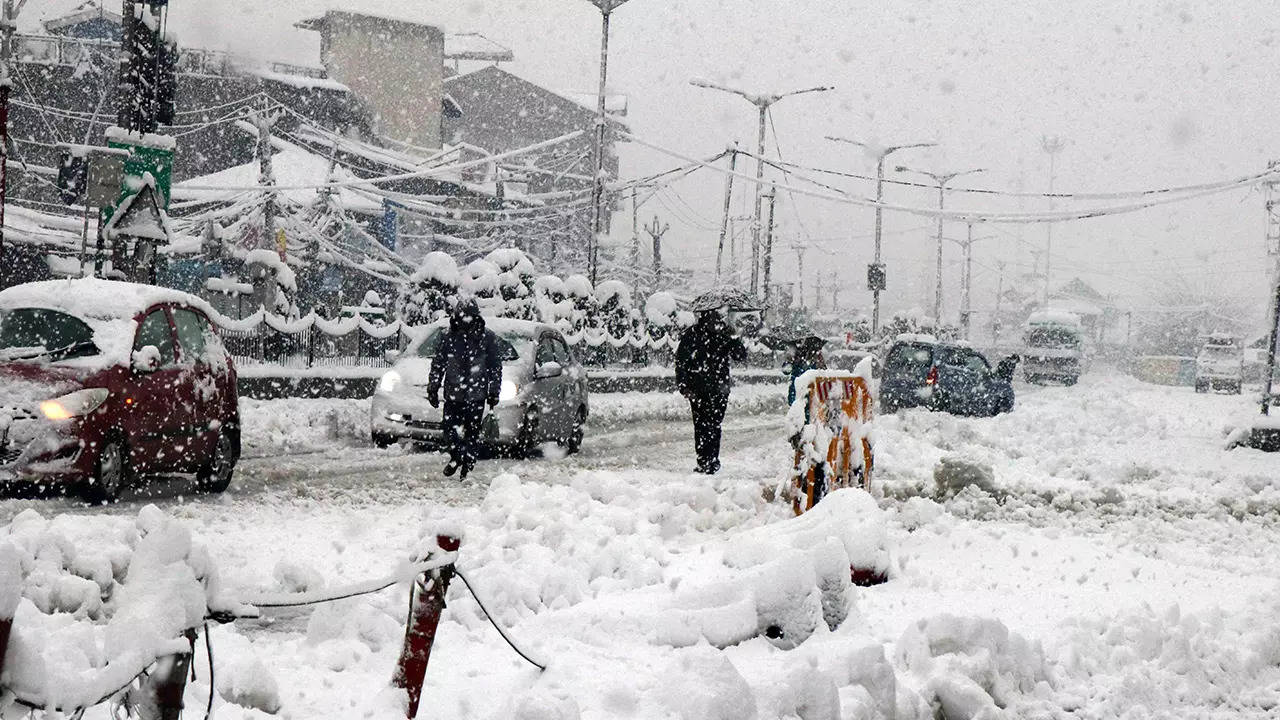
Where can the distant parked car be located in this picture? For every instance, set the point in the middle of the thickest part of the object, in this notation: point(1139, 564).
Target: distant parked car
point(103, 382)
point(1220, 365)
point(919, 371)
point(543, 397)
point(1053, 348)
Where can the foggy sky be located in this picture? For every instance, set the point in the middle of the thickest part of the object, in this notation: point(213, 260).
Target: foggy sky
point(1147, 94)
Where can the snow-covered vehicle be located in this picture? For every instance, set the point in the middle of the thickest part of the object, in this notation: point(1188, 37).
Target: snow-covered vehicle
point(102, 382)
point(1053, 348)
point(543, 397)
point(1220, 365)
point(919, 371)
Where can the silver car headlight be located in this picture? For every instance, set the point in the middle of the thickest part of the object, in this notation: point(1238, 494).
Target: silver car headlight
point(508, 391)
point(389, 382)
point(76, 404)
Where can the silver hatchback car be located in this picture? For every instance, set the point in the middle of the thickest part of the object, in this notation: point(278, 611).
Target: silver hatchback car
point(543, 397)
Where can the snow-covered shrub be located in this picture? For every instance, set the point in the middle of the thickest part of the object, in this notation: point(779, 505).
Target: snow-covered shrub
point(552, 301)
point(582, 295)
point(481, 281)
point(430, 288)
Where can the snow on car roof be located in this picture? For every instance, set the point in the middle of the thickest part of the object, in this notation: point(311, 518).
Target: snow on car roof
point(107, 306)
point(95, 298)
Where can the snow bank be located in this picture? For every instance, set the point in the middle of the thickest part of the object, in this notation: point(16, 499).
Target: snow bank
point(970, 667)
point(102, 599)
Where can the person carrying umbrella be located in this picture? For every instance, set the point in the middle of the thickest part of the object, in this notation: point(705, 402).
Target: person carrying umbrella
point(702, 374)
point(468, 366)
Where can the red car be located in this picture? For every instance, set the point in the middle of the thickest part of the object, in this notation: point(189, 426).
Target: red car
point(103, 382)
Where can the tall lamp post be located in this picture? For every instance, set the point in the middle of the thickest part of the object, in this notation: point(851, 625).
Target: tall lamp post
point(876, 275)
point(762, 102)
point(941, 179)
point(602, 121)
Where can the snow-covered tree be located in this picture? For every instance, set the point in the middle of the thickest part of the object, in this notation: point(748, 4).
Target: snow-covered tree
point(429, 289)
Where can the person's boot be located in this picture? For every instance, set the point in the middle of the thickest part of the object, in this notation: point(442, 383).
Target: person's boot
point(451, 467)
point(467, 466)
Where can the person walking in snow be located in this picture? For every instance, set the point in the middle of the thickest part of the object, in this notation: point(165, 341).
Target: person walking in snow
point(468, 367)
point(702, 376)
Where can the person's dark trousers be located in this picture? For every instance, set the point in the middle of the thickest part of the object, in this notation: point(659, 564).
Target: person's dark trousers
point(462, 422)
point(708, 414)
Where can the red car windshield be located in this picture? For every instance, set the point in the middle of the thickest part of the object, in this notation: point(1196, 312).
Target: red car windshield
point(29, 333)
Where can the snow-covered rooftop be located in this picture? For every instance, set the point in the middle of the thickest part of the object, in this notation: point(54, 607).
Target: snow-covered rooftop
point(293, 166)
point(474, 46)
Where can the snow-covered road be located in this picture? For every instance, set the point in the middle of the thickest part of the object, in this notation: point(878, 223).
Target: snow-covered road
point(1119, 561)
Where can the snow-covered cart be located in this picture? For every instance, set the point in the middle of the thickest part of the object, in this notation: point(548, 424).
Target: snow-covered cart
point(831, 422)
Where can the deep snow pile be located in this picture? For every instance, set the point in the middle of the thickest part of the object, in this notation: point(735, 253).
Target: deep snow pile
point(99, 601)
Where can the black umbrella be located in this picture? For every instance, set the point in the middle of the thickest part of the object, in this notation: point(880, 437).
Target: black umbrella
point(725, 296)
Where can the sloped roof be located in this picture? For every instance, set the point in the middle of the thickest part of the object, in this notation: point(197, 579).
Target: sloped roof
point(474, 46)
point(1079, 289)
point(579, 101)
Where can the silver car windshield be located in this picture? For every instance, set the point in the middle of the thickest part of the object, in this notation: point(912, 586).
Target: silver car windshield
point(510, 345)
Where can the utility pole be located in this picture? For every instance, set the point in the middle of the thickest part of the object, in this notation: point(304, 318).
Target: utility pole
point(656, 231)
point(995, 321)
point(966, 276)
point(728, 198)
point(8, 24)
point(835, 291)
point(941, 179)
point(635, 229)
point(762, 102)
point(1272, 220)
point(876, 277)
point(768, 248)
point(800, 273)
point(602, 123)
point(264, 121)
point(1052, 145)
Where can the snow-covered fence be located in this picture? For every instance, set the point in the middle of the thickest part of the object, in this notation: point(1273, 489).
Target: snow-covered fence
point(264, 338)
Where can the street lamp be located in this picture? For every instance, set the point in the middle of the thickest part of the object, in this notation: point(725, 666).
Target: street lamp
point(880, 153)
point(942, 179)
point(762, 102)
point(606, 8)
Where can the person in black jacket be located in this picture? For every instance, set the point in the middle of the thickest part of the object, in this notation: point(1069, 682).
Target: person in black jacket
point(468, 365)
point(702, 376)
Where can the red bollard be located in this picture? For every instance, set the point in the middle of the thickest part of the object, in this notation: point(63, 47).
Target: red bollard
point(420, 632)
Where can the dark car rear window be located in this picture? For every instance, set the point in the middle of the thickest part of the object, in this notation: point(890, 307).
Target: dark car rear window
point(38, 332)
point(909, 357)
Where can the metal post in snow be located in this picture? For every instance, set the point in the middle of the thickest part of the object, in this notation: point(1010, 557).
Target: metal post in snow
point(420, 632)
point(160, 694)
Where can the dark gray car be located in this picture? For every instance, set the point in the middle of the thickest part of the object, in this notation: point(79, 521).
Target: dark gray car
point(921, 372)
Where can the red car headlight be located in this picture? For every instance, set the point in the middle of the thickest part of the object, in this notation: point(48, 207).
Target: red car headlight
point(76, 404)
